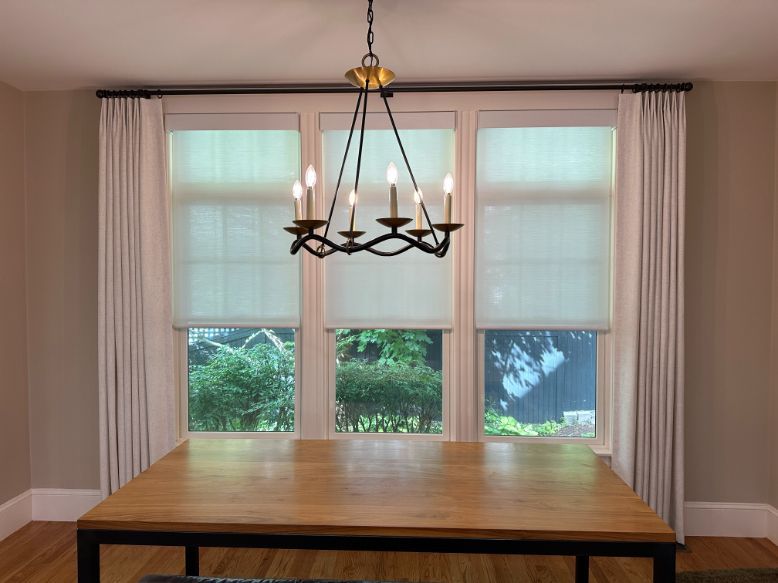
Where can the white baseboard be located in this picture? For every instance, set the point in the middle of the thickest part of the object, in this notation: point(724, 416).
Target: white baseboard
point(772, 525)
point(45, 504)
point(731, 519)
point(15, 513)
point(62, 505)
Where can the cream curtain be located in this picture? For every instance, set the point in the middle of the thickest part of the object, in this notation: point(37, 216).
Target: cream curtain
point(135, 352)
point(648, 300)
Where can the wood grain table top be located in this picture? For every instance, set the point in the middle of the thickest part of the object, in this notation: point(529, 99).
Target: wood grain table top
point(387, 488)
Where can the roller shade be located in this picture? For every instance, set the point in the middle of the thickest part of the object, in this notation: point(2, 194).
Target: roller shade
point(411, 290)
point(543, 221)
point(231, 200)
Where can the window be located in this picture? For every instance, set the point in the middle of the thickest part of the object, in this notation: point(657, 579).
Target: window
point(542, 269)
point(236, 287)
point(506, 338)
point(389, 314)
point(389, 381)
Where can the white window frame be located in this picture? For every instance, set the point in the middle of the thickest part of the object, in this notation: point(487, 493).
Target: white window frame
point(462, 344)
point(601, 441)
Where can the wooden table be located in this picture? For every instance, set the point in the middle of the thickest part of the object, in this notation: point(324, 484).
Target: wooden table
point(439, 497)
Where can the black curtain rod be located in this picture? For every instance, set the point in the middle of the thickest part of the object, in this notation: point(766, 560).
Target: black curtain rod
point(397, 88)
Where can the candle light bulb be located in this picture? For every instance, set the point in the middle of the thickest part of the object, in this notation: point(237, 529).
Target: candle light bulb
point(448, 184)
point(352, 198)
point(310, 176)
point(391, 174)
point(297, 190)
point(417, 196)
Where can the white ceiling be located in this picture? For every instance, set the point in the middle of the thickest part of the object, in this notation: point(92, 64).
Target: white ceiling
point(65, 44)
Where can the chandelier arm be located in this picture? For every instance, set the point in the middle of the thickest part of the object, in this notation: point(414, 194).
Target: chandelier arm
point(343, 164)
point(359, 153)
point(407, 163)
point(443, 248)
point(320, 252)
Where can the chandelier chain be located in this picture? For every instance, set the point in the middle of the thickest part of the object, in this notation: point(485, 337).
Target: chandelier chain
point(370, 35)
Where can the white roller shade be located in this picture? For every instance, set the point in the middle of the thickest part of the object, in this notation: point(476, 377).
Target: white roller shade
point(411, 290)
point(231, 200)
point(543, 226)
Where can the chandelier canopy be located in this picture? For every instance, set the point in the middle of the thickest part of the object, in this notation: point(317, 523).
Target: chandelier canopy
point(370, 78)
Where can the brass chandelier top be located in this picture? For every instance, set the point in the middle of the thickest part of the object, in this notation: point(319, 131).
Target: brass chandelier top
point(371, 77)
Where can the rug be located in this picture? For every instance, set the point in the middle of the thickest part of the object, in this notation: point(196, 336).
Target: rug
point(729, 576)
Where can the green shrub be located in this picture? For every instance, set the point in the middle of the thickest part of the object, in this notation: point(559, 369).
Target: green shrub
point(496, 424)
point(243, 389)
point(377, 397)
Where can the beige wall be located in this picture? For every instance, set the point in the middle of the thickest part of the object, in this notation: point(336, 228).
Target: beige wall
point(61, 151)
point(14, 428)
point(729, 243)
point(773, 498)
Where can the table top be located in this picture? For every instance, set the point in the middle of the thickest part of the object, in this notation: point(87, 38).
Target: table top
point(382, 487)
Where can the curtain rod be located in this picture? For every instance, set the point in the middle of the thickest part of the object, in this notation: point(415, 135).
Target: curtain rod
point(634, 87)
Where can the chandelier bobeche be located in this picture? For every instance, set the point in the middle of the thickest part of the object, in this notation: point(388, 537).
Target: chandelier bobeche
point(370, 78)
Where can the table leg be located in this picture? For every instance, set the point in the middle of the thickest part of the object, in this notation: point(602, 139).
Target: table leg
point(192, 560)
point(581, 569)
point(664, 564)
point(88, 551)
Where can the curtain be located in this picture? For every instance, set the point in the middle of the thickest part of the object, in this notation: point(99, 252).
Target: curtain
point(648, 300)
point(135, 350)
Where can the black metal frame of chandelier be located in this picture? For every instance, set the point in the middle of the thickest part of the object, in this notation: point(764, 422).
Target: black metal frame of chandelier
point(438, 250)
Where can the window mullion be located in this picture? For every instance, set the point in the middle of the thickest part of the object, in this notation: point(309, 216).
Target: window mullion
point(463, 396)
point(312, 385)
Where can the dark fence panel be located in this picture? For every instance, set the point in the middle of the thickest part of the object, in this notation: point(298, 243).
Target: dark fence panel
point(526, 358)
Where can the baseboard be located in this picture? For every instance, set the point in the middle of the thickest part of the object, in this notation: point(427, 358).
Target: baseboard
point(15, 513)
point(772, 524)
point(731, 519)
point(62, 505)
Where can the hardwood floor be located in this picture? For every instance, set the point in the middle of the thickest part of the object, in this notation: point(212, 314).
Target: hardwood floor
point(44, 552)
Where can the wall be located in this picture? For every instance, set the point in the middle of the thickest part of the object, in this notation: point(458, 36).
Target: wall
point(14, 425)
point(729, 265)
point(773, 499)
point(61, 151)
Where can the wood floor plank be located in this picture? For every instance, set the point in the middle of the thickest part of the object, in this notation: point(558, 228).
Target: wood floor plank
point(45, 552)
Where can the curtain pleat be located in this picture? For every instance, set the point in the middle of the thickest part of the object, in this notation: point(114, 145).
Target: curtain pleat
point(135, 352)
point(648, 300)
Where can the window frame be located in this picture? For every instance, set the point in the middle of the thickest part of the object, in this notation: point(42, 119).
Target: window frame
point(599, 443)
point(462, 343)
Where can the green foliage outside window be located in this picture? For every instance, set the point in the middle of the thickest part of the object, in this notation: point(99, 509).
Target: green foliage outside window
point(384, 383)
point(243, 388)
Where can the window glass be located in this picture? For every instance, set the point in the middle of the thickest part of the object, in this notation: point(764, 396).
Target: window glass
point(389, 381)
point(241, 379)
point(540, 383)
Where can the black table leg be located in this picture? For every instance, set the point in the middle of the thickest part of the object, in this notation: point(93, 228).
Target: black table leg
point(192, 560)
point(88, 550)
point(664, 564)
point(581, 569)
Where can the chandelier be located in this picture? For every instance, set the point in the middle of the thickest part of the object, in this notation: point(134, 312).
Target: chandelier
point(370, 78)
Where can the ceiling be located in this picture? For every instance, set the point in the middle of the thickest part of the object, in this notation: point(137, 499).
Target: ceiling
point(71, 44)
